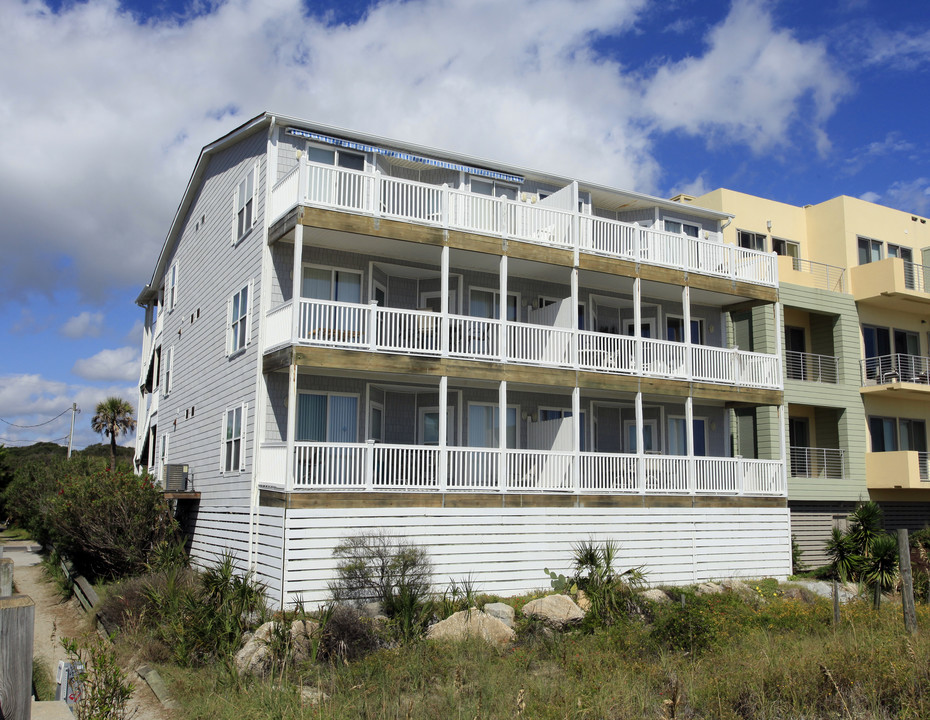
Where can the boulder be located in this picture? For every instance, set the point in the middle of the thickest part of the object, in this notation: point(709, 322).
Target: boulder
point(554, 610)
point(254, 658)
point(655, 595)
point(502, 611)
point(301, 645)
point(737, 586)
point(472, 623)
point(709, 588)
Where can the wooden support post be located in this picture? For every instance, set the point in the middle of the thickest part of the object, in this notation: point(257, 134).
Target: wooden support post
point(836, 603)
point(907, 581)
point(17, 620)
point(6, 580)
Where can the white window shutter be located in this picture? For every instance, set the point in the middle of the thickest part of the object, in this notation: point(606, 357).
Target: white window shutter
point(255, 196)
point(223, 443)
point(177, 274)
point(170, 367)
point(233, 230)
point(248, 318)
point(229, 304)
point(242, 427)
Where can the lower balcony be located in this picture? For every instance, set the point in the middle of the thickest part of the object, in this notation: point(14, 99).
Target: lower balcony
point(371, 466)
point(811, 462)
point(373, 328)
point(897, 470)
point(897, 373)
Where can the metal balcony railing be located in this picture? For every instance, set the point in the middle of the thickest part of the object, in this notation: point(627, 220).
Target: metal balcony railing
point(886, 369)
point(811, 367)
point(916, 276)
point(809, 462)
point(826, 277)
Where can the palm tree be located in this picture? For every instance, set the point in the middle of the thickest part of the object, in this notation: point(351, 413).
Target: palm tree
point(113, 417)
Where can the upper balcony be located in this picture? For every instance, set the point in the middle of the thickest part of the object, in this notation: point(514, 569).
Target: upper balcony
point(811, 367)
point(892, 284)
point(806, 273)
point(898, 470)
point(355, 326)
point(904, 375)
point(553, 221)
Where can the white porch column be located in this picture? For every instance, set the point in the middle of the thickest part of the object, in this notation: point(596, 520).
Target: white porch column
point(297, 280)
point(686, 313)
point(574, 316)
point(576, 439)
point(291, 426)
point(576, 222)
point(689, 445)
point(502, 436)
point(779, 344)
point(443, 468)
point(444, 302)
point(640, 454)
point(637, 329)
point(502, 289)
point(783, 454)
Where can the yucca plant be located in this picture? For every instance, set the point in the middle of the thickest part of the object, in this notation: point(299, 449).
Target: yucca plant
point(881, 567)
point(843, 554)
point(866, 526)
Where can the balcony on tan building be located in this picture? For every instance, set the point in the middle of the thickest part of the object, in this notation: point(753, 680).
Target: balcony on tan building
point(899, 470)
point(892, 284)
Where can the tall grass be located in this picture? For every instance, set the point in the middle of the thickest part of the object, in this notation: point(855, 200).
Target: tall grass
point(778, 658)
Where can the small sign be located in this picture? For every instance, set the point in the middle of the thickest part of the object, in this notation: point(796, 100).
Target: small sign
point(69, 684)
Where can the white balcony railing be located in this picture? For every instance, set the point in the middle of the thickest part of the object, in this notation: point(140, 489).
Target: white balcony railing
point(381, 196)
point(809, 462)
point(811, 367)
point(327, 323)
point(421, 468)
point(886, 369)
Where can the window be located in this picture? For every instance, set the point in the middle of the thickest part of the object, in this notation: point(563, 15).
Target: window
point(336, 156)
point(169, 368)
point(680, 227)
point(486, 304)
point(239, 325)
point(323, 283)
point(897, 251)
point(891, 434)
point(171, 288)
point(870, 250)
point(751, 240)
point(376, 422)
point(650, 435)
point(483, 424)
point(786, 247)
point(678, 441)
point(327, 417)
point(428, 426)
point(675, 329)
point(244, 202)
point(492, 188)
point(233, 452)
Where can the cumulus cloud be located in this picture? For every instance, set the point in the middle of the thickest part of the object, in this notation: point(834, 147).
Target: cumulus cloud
point(125, 106)
point(901, 50)
point(912, 196)
point(753, 84)
point(85, 324)
point(43, 407)
point(119, 364)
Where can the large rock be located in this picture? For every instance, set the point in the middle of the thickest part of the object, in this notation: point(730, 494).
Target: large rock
point(656, 595)
point(302, 632)
point(472, 623)
point(255, 656)
point(709, 588)
point(554, 610)
point(502, 611)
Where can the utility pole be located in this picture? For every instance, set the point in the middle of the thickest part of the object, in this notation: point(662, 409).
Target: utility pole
point(74, 411)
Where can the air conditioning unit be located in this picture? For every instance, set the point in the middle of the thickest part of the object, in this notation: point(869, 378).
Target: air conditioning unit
point(176, 477)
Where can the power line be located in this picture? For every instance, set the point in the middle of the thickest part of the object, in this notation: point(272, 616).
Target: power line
point(38, 424)
point(31, 442)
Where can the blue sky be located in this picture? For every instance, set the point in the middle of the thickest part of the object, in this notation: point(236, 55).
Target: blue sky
point(105, 105)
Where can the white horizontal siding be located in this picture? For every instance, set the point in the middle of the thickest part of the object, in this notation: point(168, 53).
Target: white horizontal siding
point(505, 550)
point(268, 548)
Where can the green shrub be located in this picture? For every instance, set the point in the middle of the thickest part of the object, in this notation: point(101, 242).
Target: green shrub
point(108, 523)
point(700, 623)
point(378, 567)
point(104, 688)
point(28, 496)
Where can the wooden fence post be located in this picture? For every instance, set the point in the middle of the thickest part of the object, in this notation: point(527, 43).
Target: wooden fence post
point(836, 603)
point(17, 619)
point(6, 577)
point(907, 581)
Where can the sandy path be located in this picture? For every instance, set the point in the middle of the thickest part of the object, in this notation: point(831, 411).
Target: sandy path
point(55, 619)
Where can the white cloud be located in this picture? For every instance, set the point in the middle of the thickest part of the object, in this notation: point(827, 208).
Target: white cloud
point(104, 117)
point(912, 196)
point(32, 400)
point(902, 50)
point(753, 84)
point(134, 336)
point(86, 324)
point(119, 364)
